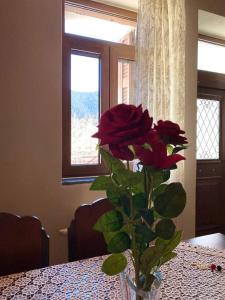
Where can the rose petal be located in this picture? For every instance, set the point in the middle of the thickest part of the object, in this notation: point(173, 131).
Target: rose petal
point(171, 161)
point(124, 125)
point(123, 153)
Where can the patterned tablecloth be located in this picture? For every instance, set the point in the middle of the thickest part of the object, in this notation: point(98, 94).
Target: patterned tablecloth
point(83, 280)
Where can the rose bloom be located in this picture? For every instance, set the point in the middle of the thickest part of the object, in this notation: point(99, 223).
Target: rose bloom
point(156, 154)
point(170, 132)
point(121, 126)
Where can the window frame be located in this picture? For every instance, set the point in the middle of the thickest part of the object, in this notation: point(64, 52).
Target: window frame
point(117, 52)
point(107, 10)
point(109, 54)
point(76, 43)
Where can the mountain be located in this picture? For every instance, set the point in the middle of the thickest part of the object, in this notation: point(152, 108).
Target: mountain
point(84, 104)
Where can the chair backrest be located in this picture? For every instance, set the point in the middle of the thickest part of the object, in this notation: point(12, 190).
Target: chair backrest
point(24, 245)
point(83, 240)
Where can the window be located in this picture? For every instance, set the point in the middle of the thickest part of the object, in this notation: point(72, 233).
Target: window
point(211, 57)
point(125, 81)
point(99, 25)
point(98, 64)
point(84, 107)
point(208, 127)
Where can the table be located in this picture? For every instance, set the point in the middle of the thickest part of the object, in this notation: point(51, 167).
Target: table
point(83, 280)
point(215, 240)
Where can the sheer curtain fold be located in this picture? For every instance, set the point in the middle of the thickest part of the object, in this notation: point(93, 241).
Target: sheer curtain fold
point(160, 57)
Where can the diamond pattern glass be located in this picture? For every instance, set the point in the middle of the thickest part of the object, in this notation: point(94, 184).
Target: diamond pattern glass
point(208, 128)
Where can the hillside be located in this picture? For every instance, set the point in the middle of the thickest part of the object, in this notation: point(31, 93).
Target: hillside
point(84, 104)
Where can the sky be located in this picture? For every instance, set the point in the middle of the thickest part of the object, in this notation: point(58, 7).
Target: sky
point(84, 73)
point(211, 57)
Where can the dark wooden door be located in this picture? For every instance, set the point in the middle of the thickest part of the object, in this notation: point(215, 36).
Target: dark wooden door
point(210, 193)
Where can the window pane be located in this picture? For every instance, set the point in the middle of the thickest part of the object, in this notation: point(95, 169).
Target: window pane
point(126, 81)
point(84, 109)
point(96, 25)
point(208, 129)
point(211, 57)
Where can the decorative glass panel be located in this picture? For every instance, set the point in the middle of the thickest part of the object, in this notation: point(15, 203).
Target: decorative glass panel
point(99, 26)
point(125, 81)
point(211, 57)
point(208, 129)
point(84, 109)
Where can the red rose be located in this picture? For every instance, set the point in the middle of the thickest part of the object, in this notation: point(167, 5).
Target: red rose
point(170, 132)
point(123, 153)
point(121, 126)
point(156, 154)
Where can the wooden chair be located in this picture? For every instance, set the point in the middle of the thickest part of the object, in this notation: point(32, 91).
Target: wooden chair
point(24, 245)
point(83, 240)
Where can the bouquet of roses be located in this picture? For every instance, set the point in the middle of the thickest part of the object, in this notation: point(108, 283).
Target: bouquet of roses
point(144, 204)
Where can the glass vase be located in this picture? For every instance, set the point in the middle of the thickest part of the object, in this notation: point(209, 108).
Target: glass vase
point(130, 291)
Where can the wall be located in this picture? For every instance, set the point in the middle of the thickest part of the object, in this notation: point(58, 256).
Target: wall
point(30, 116)
point(30, 119)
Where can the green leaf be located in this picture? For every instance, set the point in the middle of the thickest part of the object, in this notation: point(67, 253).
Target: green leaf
point(171, 202)
point(119, 243)
point(159, 190)
point(119, 198)
point(166, 175)
point(112, 163)
point(168, 246)
point(150, 259)
point(167, 257)
point(110, 221)
point(156, 215)
point(179, 148)
point(129, 178)
point(147, 215)
point(165, 229)
point(138, 188)
point(138, 249)
point(158, 178)
point(169, 149)
point(109, 235)
point(125, 205)
point(115, 195)
point(101, 183)
point(140, 201)
point(144, 234)
point(114, 264)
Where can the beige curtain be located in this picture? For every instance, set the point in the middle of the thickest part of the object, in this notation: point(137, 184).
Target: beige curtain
point(160, 57)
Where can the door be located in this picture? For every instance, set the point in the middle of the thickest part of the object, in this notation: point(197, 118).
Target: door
point(210, 196)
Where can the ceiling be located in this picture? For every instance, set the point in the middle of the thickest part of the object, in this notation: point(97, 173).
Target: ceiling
point(211, 24)
point(127, 4)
